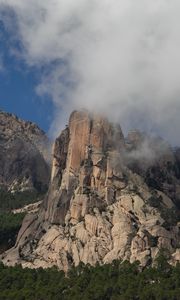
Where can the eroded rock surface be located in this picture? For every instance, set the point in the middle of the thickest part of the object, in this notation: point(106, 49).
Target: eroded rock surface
point(98, 208)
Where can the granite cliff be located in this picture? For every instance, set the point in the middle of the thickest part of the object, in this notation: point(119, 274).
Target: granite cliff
point(24, 155)
point(109, 198)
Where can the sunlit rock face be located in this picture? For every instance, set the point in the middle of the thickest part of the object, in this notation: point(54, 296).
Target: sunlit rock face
point(24, 155)
point(87, 168)
point(98, 207)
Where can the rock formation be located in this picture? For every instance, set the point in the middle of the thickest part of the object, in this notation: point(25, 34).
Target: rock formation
point(101, 204)
point(24, 155)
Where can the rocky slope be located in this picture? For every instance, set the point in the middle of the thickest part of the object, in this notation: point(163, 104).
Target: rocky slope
point(24, 155)
point(107, 199)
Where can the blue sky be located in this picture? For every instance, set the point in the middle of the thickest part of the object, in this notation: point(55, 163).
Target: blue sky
point(117, 58)
point(17, 85)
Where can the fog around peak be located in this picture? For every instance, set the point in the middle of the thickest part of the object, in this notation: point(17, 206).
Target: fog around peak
point(117, 57)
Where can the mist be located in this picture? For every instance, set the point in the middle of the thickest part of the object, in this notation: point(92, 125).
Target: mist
point(117, 57)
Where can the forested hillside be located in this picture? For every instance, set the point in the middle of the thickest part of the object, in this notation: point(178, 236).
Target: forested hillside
point(10, 223)
point(108, 282)
point(9, 226)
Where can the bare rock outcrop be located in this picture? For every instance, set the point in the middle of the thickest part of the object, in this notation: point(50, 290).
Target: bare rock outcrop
point(97, 208)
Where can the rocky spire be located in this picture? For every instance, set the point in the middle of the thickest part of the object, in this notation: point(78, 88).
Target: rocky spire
point(84, 162)
point(96, 209)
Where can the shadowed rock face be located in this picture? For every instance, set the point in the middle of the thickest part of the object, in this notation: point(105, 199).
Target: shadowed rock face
point(97, 208)
point(24, 155)
point(154, 160)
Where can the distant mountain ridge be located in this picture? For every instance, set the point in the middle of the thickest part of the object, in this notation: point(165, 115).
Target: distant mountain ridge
point(24, 155)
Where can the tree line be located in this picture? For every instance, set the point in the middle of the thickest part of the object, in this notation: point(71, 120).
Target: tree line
point(116, 281)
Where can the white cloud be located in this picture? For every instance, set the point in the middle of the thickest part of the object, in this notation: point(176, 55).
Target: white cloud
point(117, 56)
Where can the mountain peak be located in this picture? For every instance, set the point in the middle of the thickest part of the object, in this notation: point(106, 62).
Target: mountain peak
point(99, 208)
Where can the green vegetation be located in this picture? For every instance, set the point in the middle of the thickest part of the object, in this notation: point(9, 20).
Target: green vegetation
point(155, 200)
point(9, 227)
point(170, 215)
point(9, 222)
point(9, 201)
point(113, 281)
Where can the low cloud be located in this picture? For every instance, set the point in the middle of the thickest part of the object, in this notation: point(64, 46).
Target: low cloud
point(120, 57)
